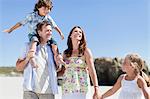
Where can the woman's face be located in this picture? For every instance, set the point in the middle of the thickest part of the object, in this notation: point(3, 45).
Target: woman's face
point(76, 34)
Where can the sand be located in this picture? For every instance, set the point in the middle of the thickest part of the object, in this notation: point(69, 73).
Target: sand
point(11, 88)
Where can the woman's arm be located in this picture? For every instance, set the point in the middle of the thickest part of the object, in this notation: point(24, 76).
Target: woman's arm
point(91, 68)
point(142, 84)
point(92, 72)
point(114, 88)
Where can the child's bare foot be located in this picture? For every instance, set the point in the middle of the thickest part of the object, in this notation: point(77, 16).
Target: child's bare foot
point(62, 36)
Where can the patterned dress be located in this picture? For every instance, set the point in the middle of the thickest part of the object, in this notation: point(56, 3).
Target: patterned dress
point(75, 78)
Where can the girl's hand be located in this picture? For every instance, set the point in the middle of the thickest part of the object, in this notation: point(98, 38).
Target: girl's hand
point(96, 94)
point(7, 31)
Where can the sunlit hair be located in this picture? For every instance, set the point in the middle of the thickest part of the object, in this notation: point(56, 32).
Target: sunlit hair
point(43, 3)
point(138, 63)
point(82, 45)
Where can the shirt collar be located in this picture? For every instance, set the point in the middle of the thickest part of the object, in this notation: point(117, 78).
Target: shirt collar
point(42, 17)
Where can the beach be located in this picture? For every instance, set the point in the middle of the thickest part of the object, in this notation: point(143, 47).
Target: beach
point(11, 88)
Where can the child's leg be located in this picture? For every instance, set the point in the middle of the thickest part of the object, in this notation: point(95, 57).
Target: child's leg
point(53, 46)
point(55, 52)
point(33, 47)
point(33, 50)
point(58, 57)
point(34, 40)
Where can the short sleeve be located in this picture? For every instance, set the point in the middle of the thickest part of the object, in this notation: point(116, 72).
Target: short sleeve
point(23, 51)
point(27, 19)
point(53, 24)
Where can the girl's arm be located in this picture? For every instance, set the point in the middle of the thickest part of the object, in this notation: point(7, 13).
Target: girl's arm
point(60, 32)
point(92, 72)
point(13, 28)
point(113, 89)
point(142, 84)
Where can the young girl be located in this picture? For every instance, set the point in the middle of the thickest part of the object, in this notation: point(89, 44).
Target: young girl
point(41, 10)
point(132, 85)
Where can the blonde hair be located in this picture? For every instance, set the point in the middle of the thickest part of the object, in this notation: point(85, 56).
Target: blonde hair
point(137, 61)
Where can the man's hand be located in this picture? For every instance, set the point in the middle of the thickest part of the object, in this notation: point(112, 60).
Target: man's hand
point(60, 62)
point(31, 56)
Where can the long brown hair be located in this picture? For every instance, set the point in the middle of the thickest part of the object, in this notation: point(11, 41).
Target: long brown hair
point(82, 45)
point(139, 64)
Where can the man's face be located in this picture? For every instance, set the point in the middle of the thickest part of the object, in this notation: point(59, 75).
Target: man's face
point(46, 32)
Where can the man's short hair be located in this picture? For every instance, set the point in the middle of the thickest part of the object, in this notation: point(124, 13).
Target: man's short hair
point(41, 24)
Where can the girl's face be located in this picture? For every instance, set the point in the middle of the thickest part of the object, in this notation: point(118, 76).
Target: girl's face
point(127, 66)
point(76, 34)
point(43, 11)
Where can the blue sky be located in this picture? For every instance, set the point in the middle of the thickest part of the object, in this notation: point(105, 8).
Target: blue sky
point(113, 27)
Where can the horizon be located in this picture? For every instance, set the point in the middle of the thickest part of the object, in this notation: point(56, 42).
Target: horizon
point(113, 28)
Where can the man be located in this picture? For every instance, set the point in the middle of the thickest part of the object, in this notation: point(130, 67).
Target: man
point(40, 82)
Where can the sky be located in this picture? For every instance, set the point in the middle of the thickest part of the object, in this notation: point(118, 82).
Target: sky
point(113, 27)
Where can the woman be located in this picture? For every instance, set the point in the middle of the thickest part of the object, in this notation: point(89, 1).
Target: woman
point(79, 63)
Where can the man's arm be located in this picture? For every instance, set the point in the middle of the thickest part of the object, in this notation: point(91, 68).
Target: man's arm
point(22, 63)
